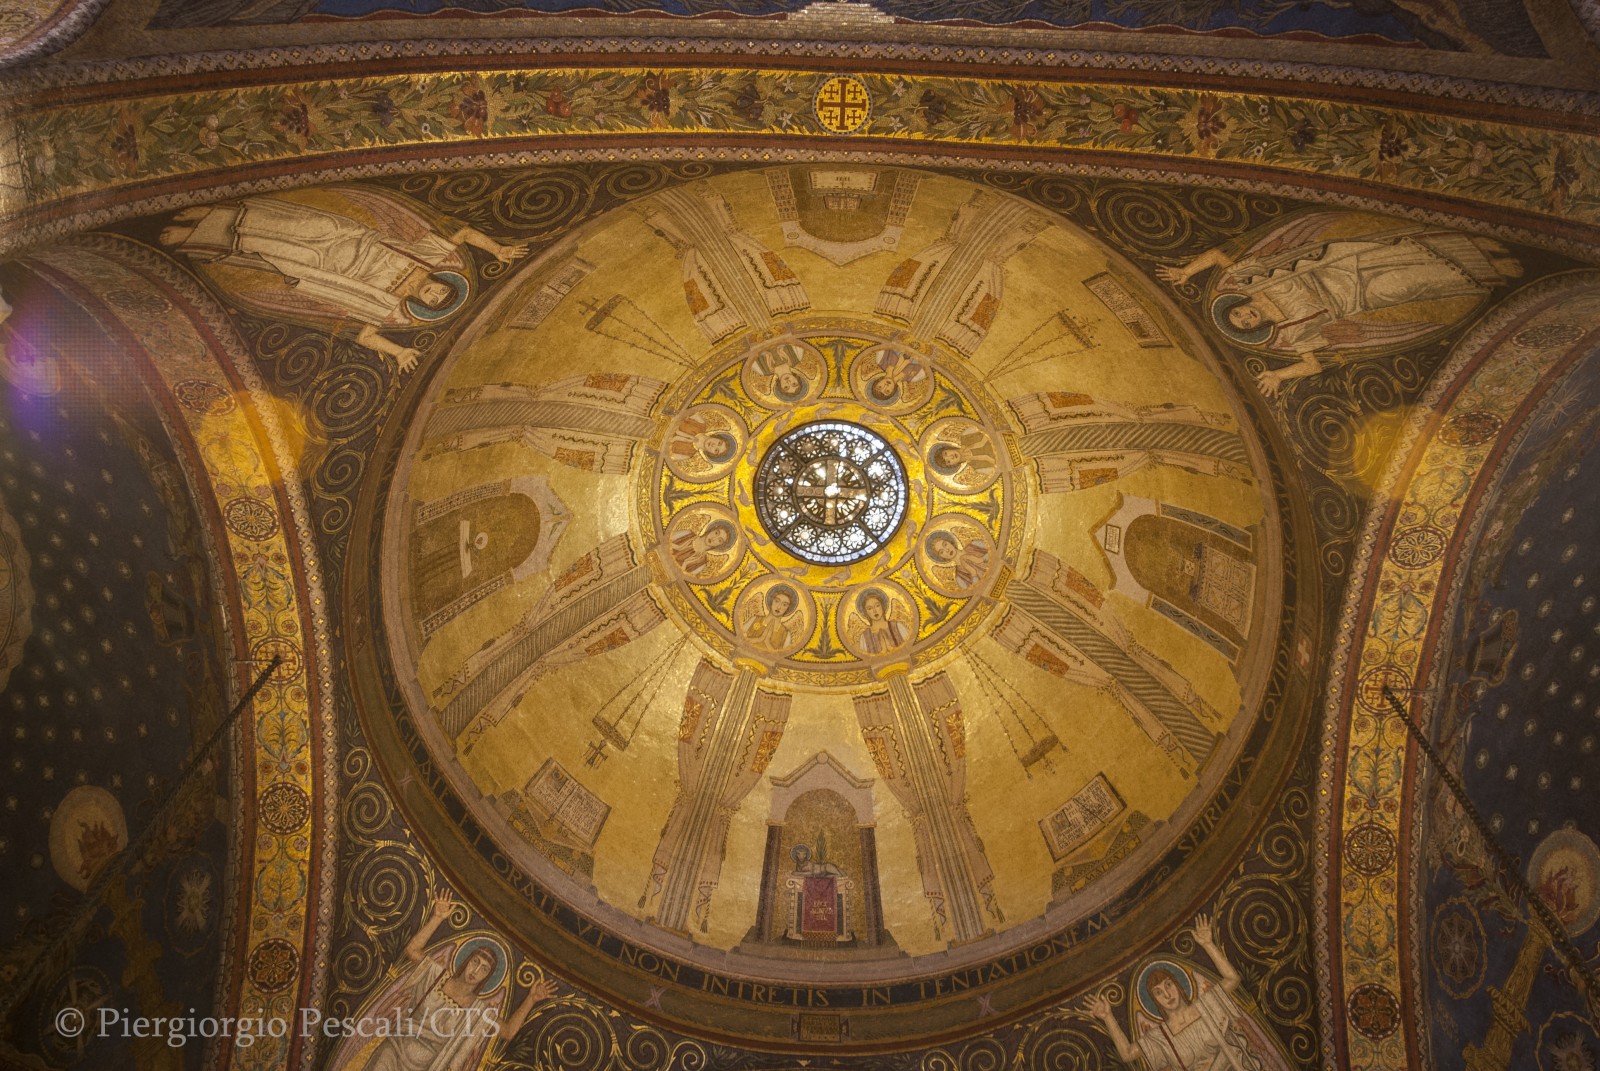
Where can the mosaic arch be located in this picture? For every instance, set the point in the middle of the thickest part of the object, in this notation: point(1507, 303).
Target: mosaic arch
point(815, 533)
point(262, 557)
point(612, 727)
point(1517, 714)
point(1392, 945)
point(32, 28)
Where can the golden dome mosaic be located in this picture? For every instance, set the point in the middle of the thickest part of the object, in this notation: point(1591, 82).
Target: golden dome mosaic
point(784, 602)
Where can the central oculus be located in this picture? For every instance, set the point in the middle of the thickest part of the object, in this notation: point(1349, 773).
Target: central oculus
point(831, 492)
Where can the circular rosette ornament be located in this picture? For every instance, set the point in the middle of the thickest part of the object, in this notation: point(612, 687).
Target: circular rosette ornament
point(704, 543)
point(877, 620)
point(773, 618)
point(956, 555)
point(705, 443)
point(783, 374)
point(892, 379)
point(831, 492)
point(962, 457)
point(831, 496)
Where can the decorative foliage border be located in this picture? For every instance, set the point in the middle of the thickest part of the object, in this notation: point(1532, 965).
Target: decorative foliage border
point(1387, 635)
point(66, 152)
point(281, 610)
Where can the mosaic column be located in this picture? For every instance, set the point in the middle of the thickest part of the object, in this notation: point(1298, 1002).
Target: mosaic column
point(596, 604)
point(915, 735)
point(726, 738)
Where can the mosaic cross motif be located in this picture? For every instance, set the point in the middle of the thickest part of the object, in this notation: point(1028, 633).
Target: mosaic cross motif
point(843, 104)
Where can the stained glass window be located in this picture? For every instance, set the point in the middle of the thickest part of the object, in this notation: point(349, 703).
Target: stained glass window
point(831, 492)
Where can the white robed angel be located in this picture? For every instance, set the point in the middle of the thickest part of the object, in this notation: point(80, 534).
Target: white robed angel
point(1185, 1021)
point(1328, 284)
point(355, 254)
point(445, 1008)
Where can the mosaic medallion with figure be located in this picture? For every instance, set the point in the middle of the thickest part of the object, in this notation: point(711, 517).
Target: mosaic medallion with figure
point(867, 533)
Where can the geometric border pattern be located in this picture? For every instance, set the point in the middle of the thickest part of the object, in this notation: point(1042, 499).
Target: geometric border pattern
point(55, 31)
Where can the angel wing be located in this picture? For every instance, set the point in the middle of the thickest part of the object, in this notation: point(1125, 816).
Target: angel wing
point(1297, 232)
point(1324, 226)
point(273, 295)
point(1349, 334)
point(389, 216)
